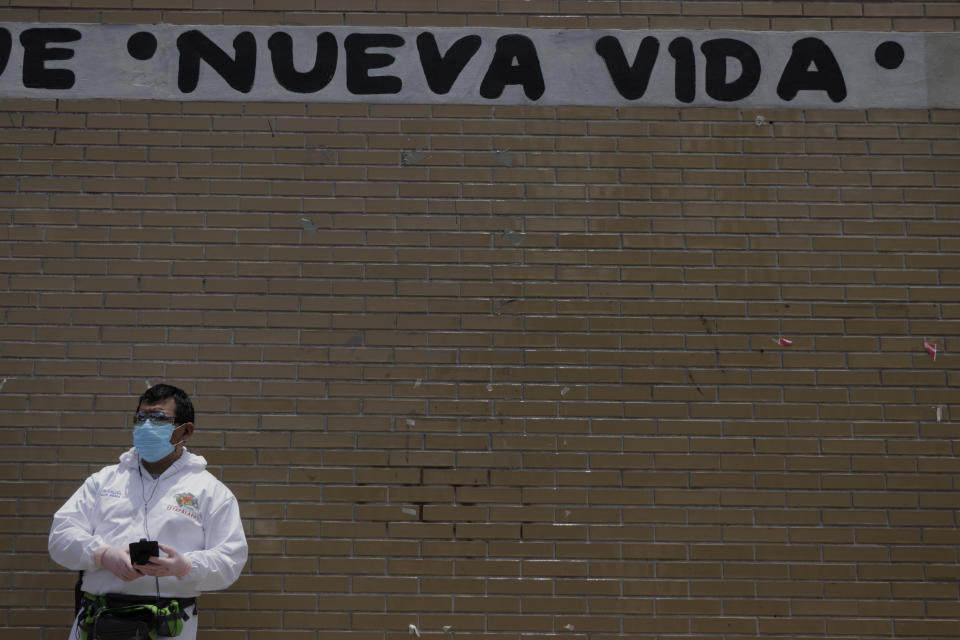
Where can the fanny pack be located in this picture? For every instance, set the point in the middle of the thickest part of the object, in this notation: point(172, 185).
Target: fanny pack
point(122, 617)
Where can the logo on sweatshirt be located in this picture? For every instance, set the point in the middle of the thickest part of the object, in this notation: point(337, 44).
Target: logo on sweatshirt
point(187, 500)
point(187, 504)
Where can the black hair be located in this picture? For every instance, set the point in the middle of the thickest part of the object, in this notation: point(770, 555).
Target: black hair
point(160, 392)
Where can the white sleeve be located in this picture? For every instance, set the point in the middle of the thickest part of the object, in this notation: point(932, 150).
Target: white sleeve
point(219, 564)
point(71, 542)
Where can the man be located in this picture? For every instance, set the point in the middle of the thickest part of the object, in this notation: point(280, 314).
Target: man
point(159, 491)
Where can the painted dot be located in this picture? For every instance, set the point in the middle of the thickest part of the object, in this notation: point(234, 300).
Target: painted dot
point(889, 55)
point(142, 45)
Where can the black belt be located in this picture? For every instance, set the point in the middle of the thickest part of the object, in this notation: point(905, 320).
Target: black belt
point(122, 600)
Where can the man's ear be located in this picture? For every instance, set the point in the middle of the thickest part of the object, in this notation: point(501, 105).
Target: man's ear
point(187, 431)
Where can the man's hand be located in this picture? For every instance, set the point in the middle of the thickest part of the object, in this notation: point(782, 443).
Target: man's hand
point(175, 564)
point(116, 560)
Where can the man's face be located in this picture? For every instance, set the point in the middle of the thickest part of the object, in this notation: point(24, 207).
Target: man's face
point(167, 407)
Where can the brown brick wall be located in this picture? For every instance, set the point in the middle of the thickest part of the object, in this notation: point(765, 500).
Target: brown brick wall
point(501, 372)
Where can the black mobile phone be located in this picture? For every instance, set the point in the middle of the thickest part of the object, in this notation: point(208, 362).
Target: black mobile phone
point(141, 552)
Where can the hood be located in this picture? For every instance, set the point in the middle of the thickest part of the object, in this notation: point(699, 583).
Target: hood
point(131, 459)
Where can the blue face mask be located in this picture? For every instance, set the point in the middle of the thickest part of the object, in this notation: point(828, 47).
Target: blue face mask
point(152, 440)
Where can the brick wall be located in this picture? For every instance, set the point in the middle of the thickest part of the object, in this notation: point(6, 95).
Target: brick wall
point(501, 372)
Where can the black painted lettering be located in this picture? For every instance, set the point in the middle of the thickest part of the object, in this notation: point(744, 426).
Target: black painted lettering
point(630, 80)
point(324, 65)
point(441, 71)
point(360, 62)
point(238, 71)
point(6, 44)
point(36, 54)
point(718, 52)
point(685, 69)
point(825, 76)
point(502, 70)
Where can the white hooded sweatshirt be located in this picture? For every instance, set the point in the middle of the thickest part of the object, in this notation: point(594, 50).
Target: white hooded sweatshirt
point(186, 508)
